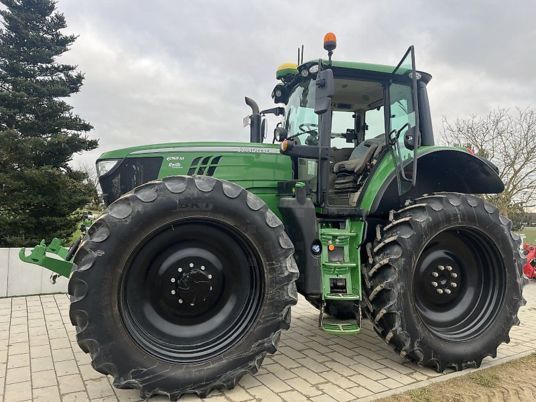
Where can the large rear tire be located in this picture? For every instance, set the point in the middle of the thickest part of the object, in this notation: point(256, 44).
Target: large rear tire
point(183, 286)
point(444, 281)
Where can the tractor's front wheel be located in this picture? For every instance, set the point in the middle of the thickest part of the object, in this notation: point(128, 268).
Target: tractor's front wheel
point(444, 281)
point(183, 286)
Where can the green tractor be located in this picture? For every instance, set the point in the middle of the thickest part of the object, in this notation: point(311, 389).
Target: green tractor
point(186, 282)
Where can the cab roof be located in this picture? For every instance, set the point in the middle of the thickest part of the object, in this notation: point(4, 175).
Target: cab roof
point(367, 67)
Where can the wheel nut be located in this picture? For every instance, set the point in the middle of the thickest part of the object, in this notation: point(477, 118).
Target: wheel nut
point(441, 267)
point(180, 301)
point(435, 274)
point(202, 267)
point(447, 291)
point(449, 268)
point(180, 270)
point(191, 265)
point(454, 284)
point(172, 280)
point(454, 274)
point(434, 284)
point(210, 277)
point(173, 292)
point(440, 291)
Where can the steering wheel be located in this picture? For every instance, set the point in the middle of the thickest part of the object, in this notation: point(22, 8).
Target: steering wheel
point(312, 130)
point(308, 128)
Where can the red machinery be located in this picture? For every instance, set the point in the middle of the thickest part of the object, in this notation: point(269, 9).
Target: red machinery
point(529, 269)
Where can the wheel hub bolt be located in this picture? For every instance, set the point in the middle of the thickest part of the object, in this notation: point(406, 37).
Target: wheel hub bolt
point(454, 284)
point(434, 284)
point(441, 267)
point(435, 274)
point(210, 276)
point(191, 265)
point(440, 291)
point(447, 291)
point(449, 268)
point(180, 301)
point(454, 274)
point(180, 270)
point(202, 267)
point(172, 280)
point(173, 292)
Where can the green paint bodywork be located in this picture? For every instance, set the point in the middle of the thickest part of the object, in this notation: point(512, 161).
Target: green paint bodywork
point(256, 167)
point(348, 268)
point(387, 168)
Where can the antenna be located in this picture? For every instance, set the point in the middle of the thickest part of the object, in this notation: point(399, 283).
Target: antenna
point(300, 55)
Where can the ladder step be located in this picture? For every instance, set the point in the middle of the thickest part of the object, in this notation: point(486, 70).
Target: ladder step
point(337, 232)
point(339, 264)
point(341, 296)
point(346, 327)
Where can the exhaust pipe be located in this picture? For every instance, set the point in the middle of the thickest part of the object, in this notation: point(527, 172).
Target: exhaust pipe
point(255, 129)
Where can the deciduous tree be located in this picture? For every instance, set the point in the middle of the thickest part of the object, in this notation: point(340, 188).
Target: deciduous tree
point(508, 139)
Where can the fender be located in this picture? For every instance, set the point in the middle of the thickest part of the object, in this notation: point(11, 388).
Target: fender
point(438, 169)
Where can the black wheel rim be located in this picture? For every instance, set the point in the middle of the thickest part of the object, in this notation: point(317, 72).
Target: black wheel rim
point(191, 291)
point(459, 283)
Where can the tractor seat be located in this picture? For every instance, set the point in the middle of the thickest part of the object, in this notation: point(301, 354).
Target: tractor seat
point(360, 156)
point(348, 173)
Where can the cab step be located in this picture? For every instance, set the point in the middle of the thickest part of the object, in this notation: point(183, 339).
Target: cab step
point(342, 296)
point(340, 327)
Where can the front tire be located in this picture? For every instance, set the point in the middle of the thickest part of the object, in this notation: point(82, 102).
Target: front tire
point(183, 286)
point(444, 281)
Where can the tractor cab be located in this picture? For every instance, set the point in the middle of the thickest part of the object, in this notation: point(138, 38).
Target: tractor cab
point(341, 118)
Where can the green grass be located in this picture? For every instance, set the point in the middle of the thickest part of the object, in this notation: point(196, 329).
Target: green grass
point(531, 235)
point(420, 395)
point(484, 379)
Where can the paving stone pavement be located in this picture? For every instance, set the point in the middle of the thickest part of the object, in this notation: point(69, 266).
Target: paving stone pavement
point(40, 360)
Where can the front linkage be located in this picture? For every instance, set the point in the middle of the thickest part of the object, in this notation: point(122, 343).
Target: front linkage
point(38, 256)
point(61, 264)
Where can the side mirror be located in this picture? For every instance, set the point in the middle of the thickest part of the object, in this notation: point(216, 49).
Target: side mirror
point(325, 89)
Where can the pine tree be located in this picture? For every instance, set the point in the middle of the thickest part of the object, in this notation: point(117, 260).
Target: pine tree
point(39, 133)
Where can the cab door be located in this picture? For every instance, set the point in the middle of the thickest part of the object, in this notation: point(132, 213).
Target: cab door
point(403, 117)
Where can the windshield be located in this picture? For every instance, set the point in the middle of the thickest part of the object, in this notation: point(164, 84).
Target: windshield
point(357, 113)
point(301, 119)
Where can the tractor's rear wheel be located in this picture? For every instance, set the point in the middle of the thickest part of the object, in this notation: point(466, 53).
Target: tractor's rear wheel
point(444, 281)
point(183, 286)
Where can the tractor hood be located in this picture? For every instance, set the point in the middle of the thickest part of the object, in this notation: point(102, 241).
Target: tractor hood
point(256, 167)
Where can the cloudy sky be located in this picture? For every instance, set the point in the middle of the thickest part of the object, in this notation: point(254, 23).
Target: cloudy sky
point(159, 71)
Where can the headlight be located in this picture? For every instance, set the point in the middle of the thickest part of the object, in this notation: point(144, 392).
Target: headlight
point(104, 166)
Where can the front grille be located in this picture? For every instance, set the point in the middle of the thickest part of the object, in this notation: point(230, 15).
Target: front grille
point(130, 173)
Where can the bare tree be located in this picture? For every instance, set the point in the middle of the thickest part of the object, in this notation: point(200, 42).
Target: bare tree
point(93, 180)
point(508, 139)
